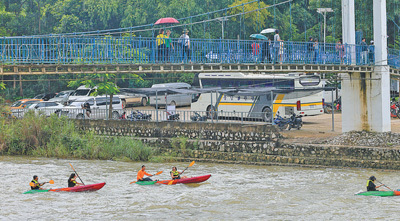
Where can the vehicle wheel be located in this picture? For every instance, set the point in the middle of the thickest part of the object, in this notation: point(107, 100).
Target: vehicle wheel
point(211, 114)
point(282, 126)
point(80, 116)
point(267, 114)
point(173, 103)
point(144, 101)
point(300, 125)
point(115, 115)
point(393, 112)
point(290, 127)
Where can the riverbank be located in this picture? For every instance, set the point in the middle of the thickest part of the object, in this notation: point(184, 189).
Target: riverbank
point(315, 145)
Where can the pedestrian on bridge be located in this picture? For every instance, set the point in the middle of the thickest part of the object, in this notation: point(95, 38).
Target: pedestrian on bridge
point(364, 52)
point(340, 50)
point(169, 47)
point(161, 45)
point(371, 52)
point(277, 45)
point(310, 50)
point(184, 42)
point(266, 53)
point(316, 51)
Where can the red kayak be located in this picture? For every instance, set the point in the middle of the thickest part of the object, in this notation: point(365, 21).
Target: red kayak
point(196, 179)
point(84, 188)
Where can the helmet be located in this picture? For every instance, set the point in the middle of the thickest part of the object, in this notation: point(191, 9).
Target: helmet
point(372, 178)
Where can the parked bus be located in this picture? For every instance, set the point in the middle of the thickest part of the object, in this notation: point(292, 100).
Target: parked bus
point(284, 93)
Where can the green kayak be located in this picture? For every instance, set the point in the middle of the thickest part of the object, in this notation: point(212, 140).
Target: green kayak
point(146, 182)
point(379, 193)
point(36, 191)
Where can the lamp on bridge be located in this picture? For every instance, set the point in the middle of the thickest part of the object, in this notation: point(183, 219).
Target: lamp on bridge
point(323, 11)
point(222, 20)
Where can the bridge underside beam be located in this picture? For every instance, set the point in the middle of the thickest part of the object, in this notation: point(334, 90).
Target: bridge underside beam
point(178, 68)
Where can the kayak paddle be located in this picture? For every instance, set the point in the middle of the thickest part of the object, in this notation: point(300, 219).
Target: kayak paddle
point(76, 174)
point(191, 164)
point(51, 182)
point(158, 173)
point(383, 185)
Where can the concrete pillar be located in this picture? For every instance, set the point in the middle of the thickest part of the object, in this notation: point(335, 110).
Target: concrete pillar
point(366, 96)
point(349, 28)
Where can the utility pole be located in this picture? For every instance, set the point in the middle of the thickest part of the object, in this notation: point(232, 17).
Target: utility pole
point(323, 11)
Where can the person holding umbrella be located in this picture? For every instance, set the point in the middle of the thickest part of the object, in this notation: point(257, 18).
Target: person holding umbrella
point(277, 45)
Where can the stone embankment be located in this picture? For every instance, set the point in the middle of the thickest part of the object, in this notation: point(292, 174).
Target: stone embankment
point(255, 144)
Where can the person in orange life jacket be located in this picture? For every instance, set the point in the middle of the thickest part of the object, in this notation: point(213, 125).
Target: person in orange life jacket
point(72, 181)
point(175, 175)
point(36, 185)
point(371, 184)
point(141, 174)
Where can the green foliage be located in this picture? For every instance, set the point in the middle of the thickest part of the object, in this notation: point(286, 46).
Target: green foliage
point(58, 137)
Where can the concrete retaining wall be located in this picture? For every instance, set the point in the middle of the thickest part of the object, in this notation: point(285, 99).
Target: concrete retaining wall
point(235, 143)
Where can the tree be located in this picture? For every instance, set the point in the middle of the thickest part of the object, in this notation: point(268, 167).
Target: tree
point(105, 83)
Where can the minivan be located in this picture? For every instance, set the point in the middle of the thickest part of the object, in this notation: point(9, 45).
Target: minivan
point(81, 92)
point(98, 107)
point(173, 99)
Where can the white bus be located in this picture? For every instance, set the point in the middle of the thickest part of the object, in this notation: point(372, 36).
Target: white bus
point(291, 93)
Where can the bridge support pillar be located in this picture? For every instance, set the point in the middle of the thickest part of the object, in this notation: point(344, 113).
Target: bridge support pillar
point(366, 101)
point(366, 97)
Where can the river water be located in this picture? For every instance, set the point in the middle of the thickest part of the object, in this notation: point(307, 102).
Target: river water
point(233, 192)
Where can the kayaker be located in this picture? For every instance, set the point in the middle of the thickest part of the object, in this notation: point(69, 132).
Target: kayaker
point(36, 185)
point(72, 181)
point(141, 174)
point(175, 174)
point(371, 184)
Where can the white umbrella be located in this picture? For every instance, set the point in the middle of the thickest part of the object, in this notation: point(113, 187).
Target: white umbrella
point(268, 30)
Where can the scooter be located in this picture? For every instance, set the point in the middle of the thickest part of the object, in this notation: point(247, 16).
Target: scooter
point(198, 117)
point(173, 117)
point(295, 122)
point(281, 122)
point(139, 116)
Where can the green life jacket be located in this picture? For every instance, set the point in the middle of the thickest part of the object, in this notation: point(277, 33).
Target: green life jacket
point(36, 185)
point(175, 174)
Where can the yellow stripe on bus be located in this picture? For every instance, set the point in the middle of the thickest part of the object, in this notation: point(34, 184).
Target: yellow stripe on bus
point(275, 106)
point(237, 104)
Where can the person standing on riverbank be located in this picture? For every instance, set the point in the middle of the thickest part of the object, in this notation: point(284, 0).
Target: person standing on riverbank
point(371, 184)
point(141, 174)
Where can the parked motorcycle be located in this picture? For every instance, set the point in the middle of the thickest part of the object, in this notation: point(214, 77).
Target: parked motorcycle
point(173, 117)
point(198, 117)
point(139, 116)
point(395, 109)
point(295, 122)
point(281, 122)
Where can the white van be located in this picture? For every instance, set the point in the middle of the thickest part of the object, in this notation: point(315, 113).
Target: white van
point(173, 99)
point(98, 108)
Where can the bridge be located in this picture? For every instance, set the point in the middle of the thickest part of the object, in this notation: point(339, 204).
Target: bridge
point(365, 92)
point(85, 55)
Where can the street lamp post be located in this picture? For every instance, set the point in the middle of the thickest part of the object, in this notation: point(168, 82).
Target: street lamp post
point(222, 20)
point(323, 11)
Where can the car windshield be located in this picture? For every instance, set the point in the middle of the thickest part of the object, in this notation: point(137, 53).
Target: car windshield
point(61, 94)
point(81, 92)
point(40, 96)
point(16, 104)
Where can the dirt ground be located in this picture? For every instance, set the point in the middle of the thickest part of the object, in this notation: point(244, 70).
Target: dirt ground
point(319, 127)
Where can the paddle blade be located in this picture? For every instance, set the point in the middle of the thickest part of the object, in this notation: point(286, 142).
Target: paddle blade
point(51, 181)
point(171, 182)
point(72, 167)
point(132, 182)
point(158, 173)
point(191, 164)
point(31, 184)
